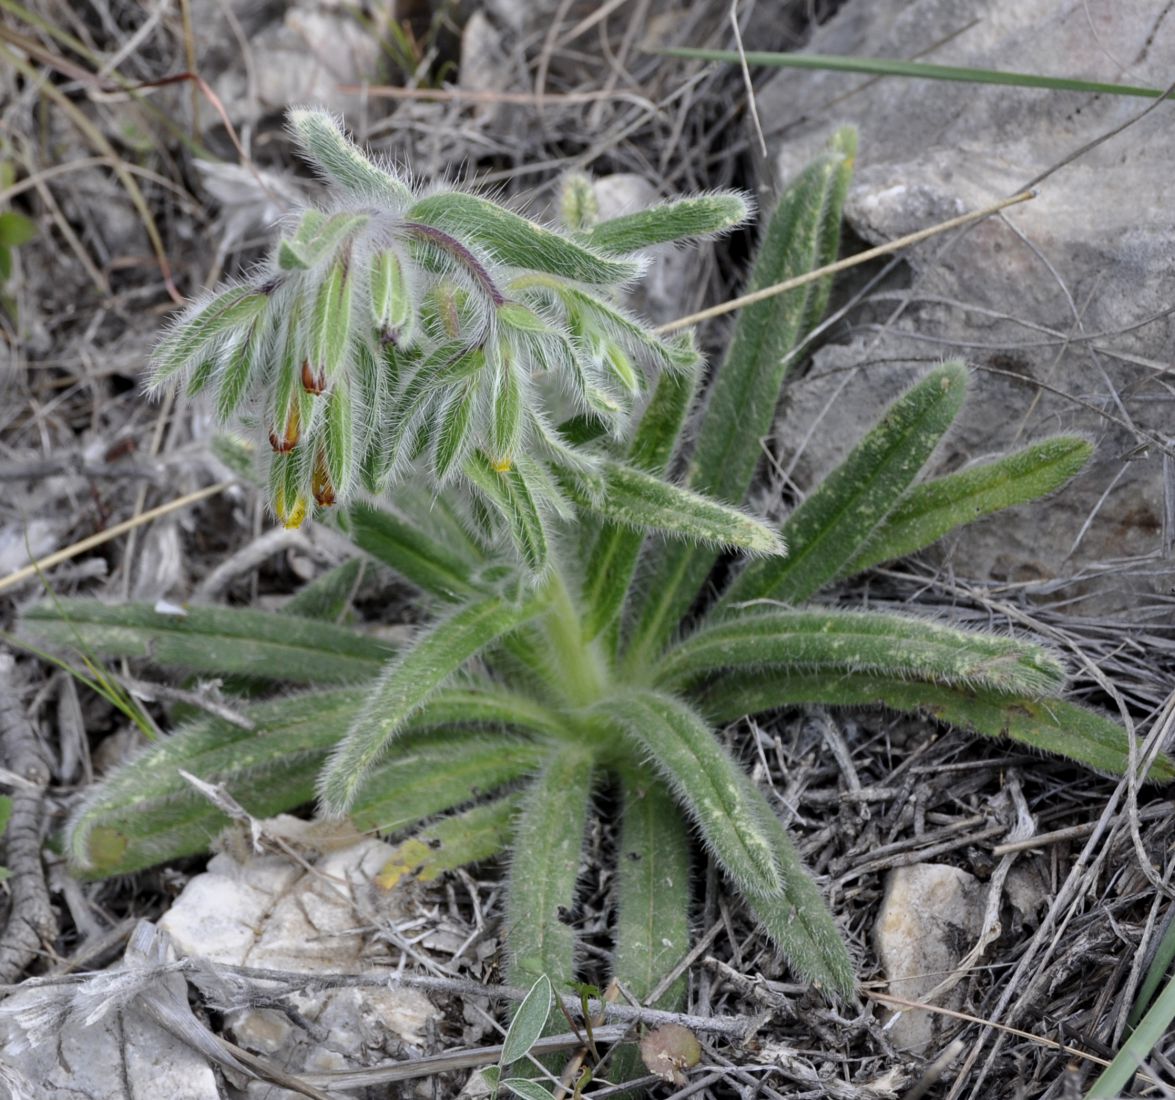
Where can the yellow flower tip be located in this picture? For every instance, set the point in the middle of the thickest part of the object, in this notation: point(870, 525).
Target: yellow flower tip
point(295, 517)
point(503, 465)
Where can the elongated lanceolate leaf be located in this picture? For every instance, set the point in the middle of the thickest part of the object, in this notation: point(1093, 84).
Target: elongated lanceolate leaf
point(456, 841)
point(144, 812)
point(652, 906)
point(802, 234)
point(855, 641)
point(798, 921)
point(324, 142)
point(652, 892)
point(639, 500)
point(612, 561)
point(1050, 725)
point(406, 685)
point(548, 844)
point(434, 566)
point(935, 508)
point(434, 774)
point(702, 216)
point(710, 786)
point(213, 640)
point(843, 511)
point(517, 242)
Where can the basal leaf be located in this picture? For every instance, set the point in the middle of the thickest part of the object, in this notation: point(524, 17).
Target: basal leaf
point(855, 641)
point(548, 842)
point(405, 687)
point(803, 234)
point(709, 785)
point(842, 512)
point(935, 508)
point(212, 640)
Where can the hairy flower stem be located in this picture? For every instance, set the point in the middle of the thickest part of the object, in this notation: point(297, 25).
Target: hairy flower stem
point(461, 254)
point(580, 665)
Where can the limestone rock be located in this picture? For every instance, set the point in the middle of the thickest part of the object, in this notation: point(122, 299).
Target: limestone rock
point(1068, 291)
point(929, 919)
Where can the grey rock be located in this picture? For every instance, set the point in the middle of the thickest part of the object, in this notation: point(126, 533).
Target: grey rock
point(1058, 307)
point(929, 919)
point(105, 1038)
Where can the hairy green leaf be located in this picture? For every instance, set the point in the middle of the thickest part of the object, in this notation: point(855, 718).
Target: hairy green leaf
point(324, 142)
point(1050, 725)
point(798, 921)
point(639, 500)
point(702, 216)
point(710, 786)
point(803, 234)
point(652, 893)
point(212, 640)
point(515, 241)
point(405, 686)
point(548, 843)
point(842, 512)
point(144, 813)
point(935, 508)
point(196, 332)
point(856, 641)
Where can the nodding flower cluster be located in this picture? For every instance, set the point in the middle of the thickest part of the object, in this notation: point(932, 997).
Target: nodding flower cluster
point(430, 330)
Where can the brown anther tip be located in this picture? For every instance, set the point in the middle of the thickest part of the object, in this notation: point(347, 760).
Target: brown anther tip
point(280, 445)
point(311, 382)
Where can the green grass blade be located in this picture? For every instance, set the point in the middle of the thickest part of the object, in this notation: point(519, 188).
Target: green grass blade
point(481, 832)
point(433, 774)
point(436, 567)
point(548, 844)
point(798, 921)
point(635, 499)
point(144, 813)
point(838, 517)
point(515, 241)
point(1153, 1029)
point(846, 642)
point(682, 220)
point(705, 780)
point(935, 508)
point(613, 558)
point(406, 685)
point(1159, 965)
point(1048, 725)
point(920, 70)
point(213, 640)
point(802, 234)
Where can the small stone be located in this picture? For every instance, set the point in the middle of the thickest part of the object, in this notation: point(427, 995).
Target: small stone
point(930, 917)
